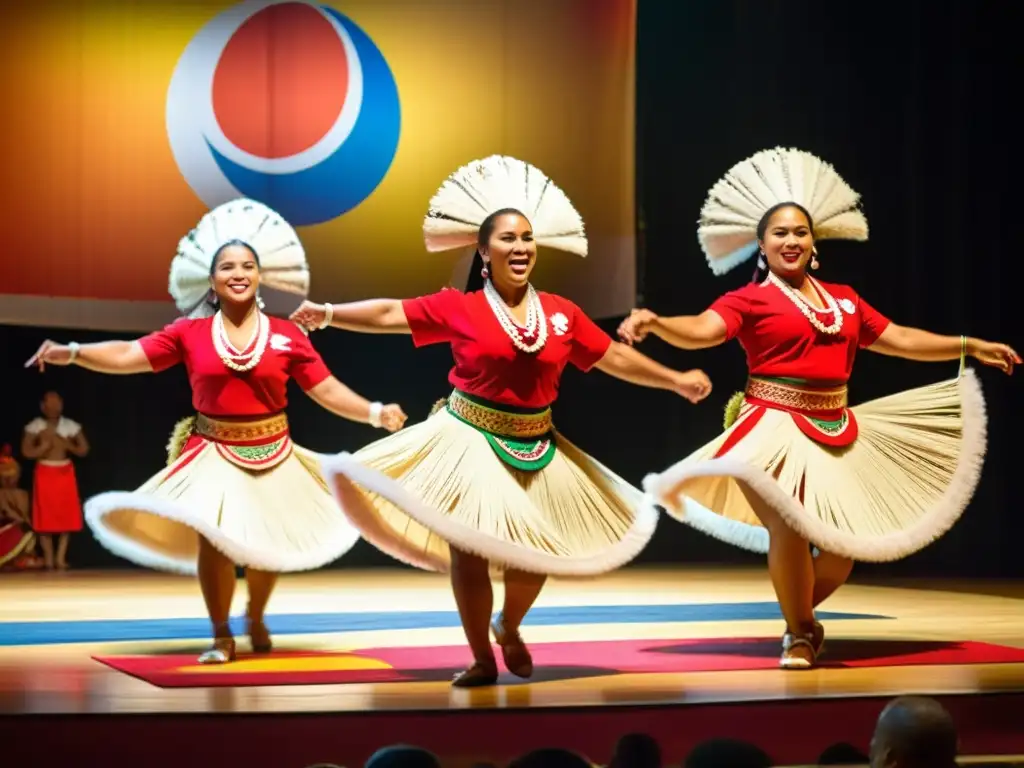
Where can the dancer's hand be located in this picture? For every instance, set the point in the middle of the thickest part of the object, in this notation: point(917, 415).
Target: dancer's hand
point(50, 352)
point(999, 356)
point(693, 385)
point(392, 417)
point(310, 316)
point(635, 328)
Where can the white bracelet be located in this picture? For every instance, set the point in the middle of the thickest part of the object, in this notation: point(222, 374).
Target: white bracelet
point(328, 316)
point(375, 411)
point(73, 348)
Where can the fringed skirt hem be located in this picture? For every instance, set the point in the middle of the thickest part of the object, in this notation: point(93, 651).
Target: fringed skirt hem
point(902, 484)
point(439, 485)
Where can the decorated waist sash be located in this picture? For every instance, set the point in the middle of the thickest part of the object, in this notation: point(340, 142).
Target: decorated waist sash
point(819, 409)
point(256, 444)
point(522, 438)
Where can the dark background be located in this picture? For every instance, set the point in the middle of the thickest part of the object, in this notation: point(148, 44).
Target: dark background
point(912, 102)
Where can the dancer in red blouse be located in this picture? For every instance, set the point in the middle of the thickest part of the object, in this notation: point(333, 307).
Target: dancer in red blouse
point(487, 479)
point(795, 464)
point(236, 489)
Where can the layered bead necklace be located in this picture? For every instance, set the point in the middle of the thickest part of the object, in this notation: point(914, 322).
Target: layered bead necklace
point(231, 356)
point(536, 322)
point(810, 311)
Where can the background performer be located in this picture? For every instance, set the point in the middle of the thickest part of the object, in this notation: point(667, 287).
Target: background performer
point(56, 507)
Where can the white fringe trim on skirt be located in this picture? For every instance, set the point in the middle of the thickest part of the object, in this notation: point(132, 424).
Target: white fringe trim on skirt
point(282, 519)
point(899, 486)
point(439, 484)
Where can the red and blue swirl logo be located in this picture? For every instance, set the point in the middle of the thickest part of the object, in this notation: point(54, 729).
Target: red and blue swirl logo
point(289, 103)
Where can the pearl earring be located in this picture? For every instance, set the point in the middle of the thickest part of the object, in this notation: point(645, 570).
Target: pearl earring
point(485, 273)
point(814, 259)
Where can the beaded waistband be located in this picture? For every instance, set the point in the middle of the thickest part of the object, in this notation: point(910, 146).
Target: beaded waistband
point(793, 396)
point(252, 431)
point(493, 418)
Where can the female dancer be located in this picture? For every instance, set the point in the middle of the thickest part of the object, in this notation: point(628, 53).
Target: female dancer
point(876, 482)
point(487, 479)
point(236, 489)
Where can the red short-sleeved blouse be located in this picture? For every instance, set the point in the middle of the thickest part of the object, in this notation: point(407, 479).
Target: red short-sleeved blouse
point(220, 391)
point(487, 364)
point(780, 342)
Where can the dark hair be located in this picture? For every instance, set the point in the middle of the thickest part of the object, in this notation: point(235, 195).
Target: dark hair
point(475, 282)
point(761, 270)
point(211, 297)
point(636, 750)
point(843, 754)
point(919, 731)
point(228, 244)
point(403, 755)
point(550, 758)
point(731, 752)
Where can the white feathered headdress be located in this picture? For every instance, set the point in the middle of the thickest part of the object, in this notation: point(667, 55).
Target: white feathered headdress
point(482, 187)
point(729, 218)
point(277, 246)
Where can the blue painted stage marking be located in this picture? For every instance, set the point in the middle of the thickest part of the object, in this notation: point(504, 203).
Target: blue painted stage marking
point(119, 630)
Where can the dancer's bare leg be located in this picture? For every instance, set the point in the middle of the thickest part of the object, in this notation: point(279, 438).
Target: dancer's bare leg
point(830, 573)
point(46, 542)
point(61, 560)
point(261, 585)
point(791, 568)
point(471, 585)
point(521, 591)
point(217, 581)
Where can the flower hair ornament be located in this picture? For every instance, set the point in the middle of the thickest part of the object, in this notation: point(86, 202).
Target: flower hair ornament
point(727, 230)
point(280, 253)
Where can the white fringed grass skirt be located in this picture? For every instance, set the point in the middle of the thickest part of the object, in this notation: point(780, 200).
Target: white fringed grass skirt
point(280, 519)
point(900, 485)
point(439, 484)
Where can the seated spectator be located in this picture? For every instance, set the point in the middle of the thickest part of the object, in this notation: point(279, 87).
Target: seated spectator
point(717, 753)
point(842, 754)
point(914, 732)
point(636, 750)
point(550, 758)
point(403, 756)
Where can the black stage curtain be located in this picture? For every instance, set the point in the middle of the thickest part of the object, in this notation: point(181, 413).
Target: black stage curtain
point(911, 102)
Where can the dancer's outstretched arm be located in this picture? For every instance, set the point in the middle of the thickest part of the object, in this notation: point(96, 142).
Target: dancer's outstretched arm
point(117, 357)
point(916, 344)
point(684, 331)
point(372, 316)
point(627, 364)
point(335, 397)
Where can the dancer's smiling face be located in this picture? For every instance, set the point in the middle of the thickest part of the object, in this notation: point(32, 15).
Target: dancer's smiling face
point(508, 249)
point(235, 275)
point(786, 237)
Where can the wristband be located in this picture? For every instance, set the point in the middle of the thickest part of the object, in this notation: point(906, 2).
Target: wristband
point(375, 413)
point(328, 316)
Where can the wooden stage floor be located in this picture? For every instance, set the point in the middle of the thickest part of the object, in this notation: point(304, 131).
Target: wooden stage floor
point(51, 625)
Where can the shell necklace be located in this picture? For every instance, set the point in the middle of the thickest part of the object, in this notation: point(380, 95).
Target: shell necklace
point(536, 323)
point(232, 357)
point(810, 311)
